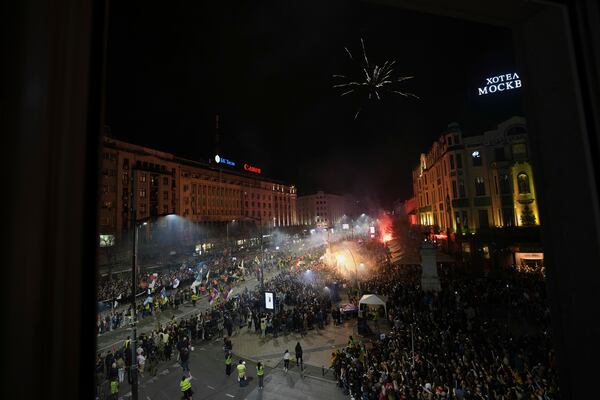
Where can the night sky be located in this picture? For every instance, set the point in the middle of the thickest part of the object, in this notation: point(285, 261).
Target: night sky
point(266, 68)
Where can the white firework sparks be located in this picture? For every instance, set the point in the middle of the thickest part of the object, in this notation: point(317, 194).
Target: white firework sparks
point(376, 81)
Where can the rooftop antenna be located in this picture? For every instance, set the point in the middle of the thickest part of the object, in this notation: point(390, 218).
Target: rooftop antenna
point(217, 135)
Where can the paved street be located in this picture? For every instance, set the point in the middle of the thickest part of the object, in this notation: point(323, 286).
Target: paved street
point(317, 345)
point(210, 382)
point(114, 338)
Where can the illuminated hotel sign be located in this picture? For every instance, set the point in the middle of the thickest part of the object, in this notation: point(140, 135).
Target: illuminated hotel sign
point(500, 83)
point(221, 160)
point(250, 168)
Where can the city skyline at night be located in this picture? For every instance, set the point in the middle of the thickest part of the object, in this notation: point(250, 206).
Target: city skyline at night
point(267, 72)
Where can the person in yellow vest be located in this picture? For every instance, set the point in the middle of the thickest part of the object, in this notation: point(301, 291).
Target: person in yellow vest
point(114, 389)
point(241, 369)
point(351, 342)
point(127, 342)
point(186, 388)
point(260, 372)
point(228, 361)
point(194, 299)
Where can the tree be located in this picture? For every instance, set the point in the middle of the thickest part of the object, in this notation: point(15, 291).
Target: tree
point(527, 217)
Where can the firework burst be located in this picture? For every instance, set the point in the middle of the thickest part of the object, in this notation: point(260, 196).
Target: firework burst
point(373, 82)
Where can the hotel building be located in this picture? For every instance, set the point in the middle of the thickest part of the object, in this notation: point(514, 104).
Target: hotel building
point(465, 184)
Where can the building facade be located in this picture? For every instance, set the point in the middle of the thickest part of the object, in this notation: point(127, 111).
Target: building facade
point(200, 192)
point(464, 184)
point(406, 209)
point(321, 209)
point(213, 194)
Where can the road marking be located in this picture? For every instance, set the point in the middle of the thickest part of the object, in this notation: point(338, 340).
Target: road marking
point(148, 398)
point(210, 387)
point(230, 395)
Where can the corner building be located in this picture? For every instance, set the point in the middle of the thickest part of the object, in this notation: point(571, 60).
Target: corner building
point(200, 192)
point(322, 209)
point(465, 184)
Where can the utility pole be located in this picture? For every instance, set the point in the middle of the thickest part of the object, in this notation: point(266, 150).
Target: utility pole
point(412, 341)
point(133, 344)
point(262, 271)
point(355, 270)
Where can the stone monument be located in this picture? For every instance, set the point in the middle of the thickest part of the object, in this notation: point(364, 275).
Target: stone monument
point(430, 281)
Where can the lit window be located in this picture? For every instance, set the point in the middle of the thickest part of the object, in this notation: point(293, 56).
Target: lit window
point(479, 186)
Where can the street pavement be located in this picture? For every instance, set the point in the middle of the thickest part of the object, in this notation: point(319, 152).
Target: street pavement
point(317, 345)
point(207, 362)
point(106, 341)
point(207, 366)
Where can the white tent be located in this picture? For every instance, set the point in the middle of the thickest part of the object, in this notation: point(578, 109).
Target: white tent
point(373, 299)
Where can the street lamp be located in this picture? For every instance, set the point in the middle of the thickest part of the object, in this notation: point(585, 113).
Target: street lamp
point(136, 226)
point(341, 260)
point(227, 230)
point(356, 270)
point(262, 282)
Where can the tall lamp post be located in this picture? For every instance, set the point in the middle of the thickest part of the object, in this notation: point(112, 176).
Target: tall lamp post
point(262, 282)
point(355, 269)
point(340, 258)
point(227, 232)
point(134, 278)
point(133, 344)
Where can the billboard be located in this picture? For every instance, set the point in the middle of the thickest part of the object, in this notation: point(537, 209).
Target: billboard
point(269, 301)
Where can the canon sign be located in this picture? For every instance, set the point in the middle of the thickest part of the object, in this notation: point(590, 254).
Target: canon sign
point(250, 168)
point(500, 83)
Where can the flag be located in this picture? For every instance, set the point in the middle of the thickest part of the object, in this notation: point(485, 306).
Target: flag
point(213, 296)
point(175, 283)
point(153, 279)
point(194, 284)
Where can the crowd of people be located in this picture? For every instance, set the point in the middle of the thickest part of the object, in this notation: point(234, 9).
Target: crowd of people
point(478, 338)
point(162, 344)
point(158, 291)
point(226, 315)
